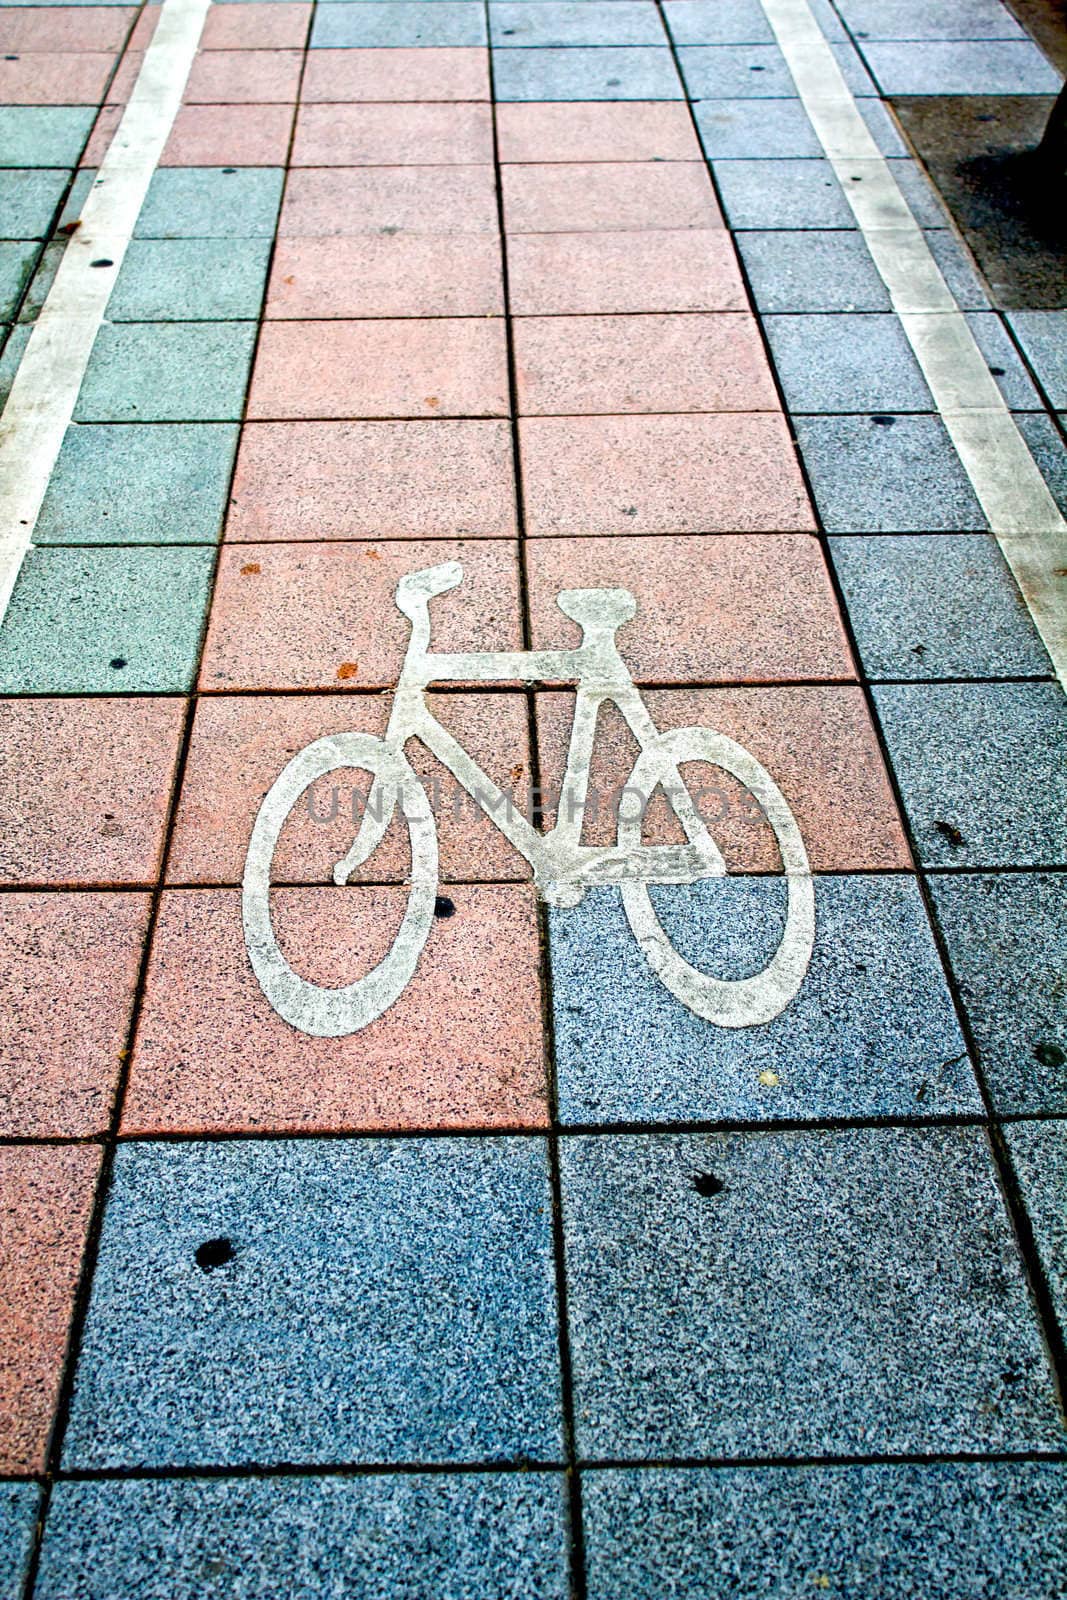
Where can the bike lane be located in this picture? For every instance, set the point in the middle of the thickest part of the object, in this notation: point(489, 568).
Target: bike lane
point(539, 1271)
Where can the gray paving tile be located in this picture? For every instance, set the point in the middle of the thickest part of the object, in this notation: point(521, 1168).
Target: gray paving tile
point(83, 182)
point(838, 363)
point(872, 1030)
point(17, 259)
point(1039, 1156)
point(958, 270)
point(399, 23)
point(804, 193)
point(994, 342)
point(42, 280)
point(14, 345)
point(812, 271)
point(1006, 935)
point(982, 768)
point(44, 136)
point(18, 1516)
point(594, 22)
point(885, 474)
point(28, 201)
point(105, 621)
point(211, 203)
point(1046, 445)
point(756, 71)
point(916, 19)
point(773, 129)
point(167, 372)
point(996, 66)
point(633, 73)
point(388, 1300)
point(937, 1531)
point(132, 483)
point(937, 606)
point(452, 1536)
point(712, 22)
point(1043, 335)
point(190, 280)
point(838, 1292)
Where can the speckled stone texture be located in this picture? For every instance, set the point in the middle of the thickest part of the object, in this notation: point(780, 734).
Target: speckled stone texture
point(393, 275)
point(18, 1516)
point(211, 202)
point(167, 372)
point(629, 73)
point(1039, 1155)
point(190, 280)
point(595, 130)
point(887, 474)
point(471, 1536)
point(776, 129)
point(658, 270)
point(847, 1292)
point(400, 23)
point(943, 1531)
point(386, 1301)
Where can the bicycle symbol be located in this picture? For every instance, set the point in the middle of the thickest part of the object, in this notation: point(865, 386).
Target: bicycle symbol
point(563, 867)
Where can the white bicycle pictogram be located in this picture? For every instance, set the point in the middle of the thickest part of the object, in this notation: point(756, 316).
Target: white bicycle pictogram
point(563, 867)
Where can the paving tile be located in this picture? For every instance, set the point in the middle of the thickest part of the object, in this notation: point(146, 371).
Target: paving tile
point(48, 1194)
point(596, 130)
point(1001, 66)
point(672, 474)
point(106, 825)
point(911, 19)
point(266, 25)
point(127, 483)
point(388, 1300)
point(445, 366)
point(392, 480)
point(236, 77)
point(1039, 1155)
point(68, 966)
point(609, 365)
point(595, 22)
point(812, 271)
point(948, 1529)
point(458, 1534)
point(995, 344)
point(167, 372)
point(56, 27)
point(631, 73)
point(749, 129)
point(607, 196)
point(1045, 443)
point(872, 1031)
point(756, 71)
point(740, 22)
point(958, 270)
point(388, 275)
point(41, 282)
point(393, 135)
point(334, 76)
point(29, 201)
point(190, 280)
point(105, 621)
point(19, 1505)
point(234, 136)
point(886, 1253)
point(743, 608)
point(447, 22)
point(884, 474)
point(14, 346)
point(981, 769)
point(1043, 336)
point(325, 203)
point(54, 78)
point(104, 128)
point(211, 202)
point(777, 194)
point(288, 616)
point(17, 261)
point(240, 744)
point(846, 363)
point(659, 270)
point(937, 606)
point(43, 136)
point(1006, 936)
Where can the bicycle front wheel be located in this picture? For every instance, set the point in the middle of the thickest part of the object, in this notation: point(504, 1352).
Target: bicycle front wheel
point(314, 1009)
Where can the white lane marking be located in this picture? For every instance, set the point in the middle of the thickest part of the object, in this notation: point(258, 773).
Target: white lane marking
point(49, 378)
point(1021, 512)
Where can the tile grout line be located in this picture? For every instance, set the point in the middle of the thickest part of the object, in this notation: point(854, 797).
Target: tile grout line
point(1023, 516)
point(49, 378)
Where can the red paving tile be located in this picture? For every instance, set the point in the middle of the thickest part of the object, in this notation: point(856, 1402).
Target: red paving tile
point(673, 474)
point(592, 197)
point(236, 77)
point(263, 26)
point(460, 1048)
point(447, 366)
point(291, 616)
point(817, 744)
point(145, 27)
point(65, 27)
point(103, 132)
point(736, 609)
point(390, 136)
point(47, 1197)
point(608, 365)
point(596, 131)
point(240, 744)
point(392, 480)
point(333, 203)
point(390, 275)
point(84, 789)
point(396, 75)
point(47, 78)
point(550, 274)
point(68, 966)
point(229, 136)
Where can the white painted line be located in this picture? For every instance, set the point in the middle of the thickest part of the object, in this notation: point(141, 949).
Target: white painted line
point(49, 378)
point(1010, 489)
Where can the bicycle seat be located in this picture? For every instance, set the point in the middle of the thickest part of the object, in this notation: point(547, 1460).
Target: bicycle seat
point(609, 608)
point(416, 589)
